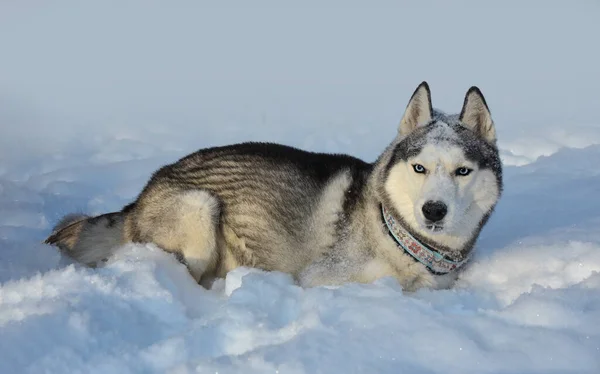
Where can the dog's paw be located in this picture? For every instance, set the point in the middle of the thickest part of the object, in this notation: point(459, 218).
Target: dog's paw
point(417, 277)
point(421, 281)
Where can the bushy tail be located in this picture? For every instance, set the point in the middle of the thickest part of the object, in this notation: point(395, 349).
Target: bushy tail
point(88, 240)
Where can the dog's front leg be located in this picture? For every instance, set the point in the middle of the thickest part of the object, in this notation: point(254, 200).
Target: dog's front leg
point(329, 270)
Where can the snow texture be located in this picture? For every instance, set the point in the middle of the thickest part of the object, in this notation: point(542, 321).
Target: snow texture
point(94, 96)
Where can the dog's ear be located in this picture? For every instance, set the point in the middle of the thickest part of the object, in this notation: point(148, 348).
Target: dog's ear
point(418, 111)
point(476, 115)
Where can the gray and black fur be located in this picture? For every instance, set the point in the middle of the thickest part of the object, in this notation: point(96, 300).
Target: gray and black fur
point(274, 207)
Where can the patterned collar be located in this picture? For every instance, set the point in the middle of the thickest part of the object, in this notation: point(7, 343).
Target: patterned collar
point(433, 260)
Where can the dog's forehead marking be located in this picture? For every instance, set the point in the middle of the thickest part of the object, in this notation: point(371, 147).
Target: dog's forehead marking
point(446, 132)
point(449, 135)
point(434, 133)
point(441, 145)
point(445, 154)
point(441, 131)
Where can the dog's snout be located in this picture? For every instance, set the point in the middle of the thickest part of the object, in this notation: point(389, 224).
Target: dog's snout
point(434, 211)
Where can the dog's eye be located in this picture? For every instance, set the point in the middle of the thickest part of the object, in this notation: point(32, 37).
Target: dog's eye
point(419, 168)
point(463, 171)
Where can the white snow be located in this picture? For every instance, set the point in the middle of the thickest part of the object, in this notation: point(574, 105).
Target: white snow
point(94, 96)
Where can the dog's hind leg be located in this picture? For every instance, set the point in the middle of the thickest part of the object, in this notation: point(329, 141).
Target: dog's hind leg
point(184, 223)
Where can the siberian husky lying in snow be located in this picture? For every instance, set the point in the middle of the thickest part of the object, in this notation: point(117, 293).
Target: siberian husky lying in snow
point(413, 214)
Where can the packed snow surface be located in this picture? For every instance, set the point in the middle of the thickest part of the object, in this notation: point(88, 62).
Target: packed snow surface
point(95, 96)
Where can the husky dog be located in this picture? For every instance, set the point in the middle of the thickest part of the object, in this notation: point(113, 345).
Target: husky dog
point(413, 214)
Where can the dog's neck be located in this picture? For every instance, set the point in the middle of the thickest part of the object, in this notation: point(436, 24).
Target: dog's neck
point(429, 256)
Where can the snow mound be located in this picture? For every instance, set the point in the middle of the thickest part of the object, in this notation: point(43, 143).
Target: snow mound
point(143, 313)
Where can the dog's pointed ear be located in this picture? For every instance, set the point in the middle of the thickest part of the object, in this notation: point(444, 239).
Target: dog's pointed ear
point(476, 115)
point(418, 111)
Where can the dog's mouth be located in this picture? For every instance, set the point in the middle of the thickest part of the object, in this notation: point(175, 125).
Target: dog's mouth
point(435, 228)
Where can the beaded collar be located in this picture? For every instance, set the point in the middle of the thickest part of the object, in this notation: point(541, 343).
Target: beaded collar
point(432, 259)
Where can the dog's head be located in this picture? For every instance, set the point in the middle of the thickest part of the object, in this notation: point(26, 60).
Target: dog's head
point(443, 176)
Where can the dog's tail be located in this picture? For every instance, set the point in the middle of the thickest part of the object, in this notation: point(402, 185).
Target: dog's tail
point(88, 240)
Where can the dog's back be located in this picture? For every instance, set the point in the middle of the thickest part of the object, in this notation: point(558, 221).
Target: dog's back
point(248, 203)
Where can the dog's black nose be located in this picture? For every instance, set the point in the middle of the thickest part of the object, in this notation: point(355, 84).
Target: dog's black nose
point(434, 210)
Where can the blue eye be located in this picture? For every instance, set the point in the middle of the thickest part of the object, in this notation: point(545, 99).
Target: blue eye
point(462, 172)
point(419, 168)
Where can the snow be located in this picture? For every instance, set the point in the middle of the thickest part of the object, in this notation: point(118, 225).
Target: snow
point(94, 96)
